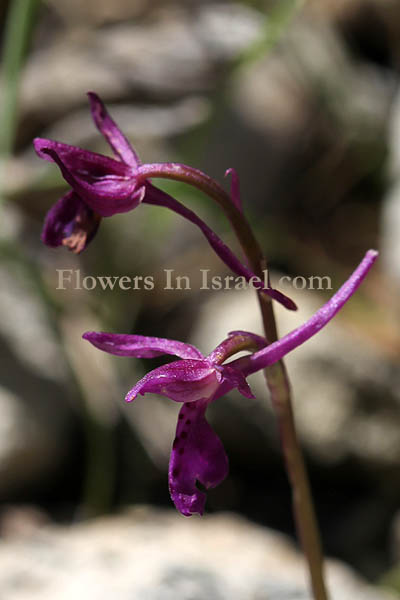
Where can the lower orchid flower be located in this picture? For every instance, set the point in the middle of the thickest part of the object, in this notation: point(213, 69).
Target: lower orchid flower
point(197, 453)
point(196, 380)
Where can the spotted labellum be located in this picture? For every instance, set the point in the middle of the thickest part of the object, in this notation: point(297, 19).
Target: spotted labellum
point(196, 380)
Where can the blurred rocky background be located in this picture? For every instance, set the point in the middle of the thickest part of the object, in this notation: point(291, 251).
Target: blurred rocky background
point(302, 99)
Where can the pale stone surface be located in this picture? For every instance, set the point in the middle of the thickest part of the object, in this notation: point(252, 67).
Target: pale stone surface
point(174, 53)
point(391, 205)
point(151, 555)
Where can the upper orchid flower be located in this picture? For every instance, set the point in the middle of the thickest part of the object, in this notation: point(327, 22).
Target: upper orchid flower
point(103, 186)
point(196, 380)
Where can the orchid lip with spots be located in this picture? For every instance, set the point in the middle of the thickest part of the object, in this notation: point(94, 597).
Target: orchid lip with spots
point(196, 380)
point(197, 452)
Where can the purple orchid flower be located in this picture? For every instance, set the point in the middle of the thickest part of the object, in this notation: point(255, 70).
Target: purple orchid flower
point(103, 186)
point(197, 380)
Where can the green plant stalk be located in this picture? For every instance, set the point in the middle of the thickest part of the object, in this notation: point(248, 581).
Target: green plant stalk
point(275, 375)
point(16, 36)
point(17, 32)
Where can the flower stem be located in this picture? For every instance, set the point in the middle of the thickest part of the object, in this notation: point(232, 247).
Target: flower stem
point(275, 375)
point(16, 35)
point(306, 523)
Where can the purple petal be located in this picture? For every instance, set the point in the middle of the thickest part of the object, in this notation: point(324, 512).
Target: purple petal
point(235, 188)
point(182, 381)
point(258, 340)
point(140, 346)
point(157, 197)
point(236, 341)
point(59, 221)
point(197, 455)
point(106, 195)
point(278, 296)
point(89, 164)
point(109, 129)
point(71, 223)
point(274, 352)
point(237, 380)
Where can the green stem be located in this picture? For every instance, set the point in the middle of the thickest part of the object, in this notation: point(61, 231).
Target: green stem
point(16, 36)
point(276, 376)
point(17, 30)
point(303, 508)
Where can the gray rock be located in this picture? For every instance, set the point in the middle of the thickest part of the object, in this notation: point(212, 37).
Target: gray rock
point(151, 555)
point(35, 413)
point(309, 65)
point(173, 54)
point(94, 12)
point(391, 204)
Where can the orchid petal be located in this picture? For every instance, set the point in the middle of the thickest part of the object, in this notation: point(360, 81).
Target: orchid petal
point(236, 342)
point(158, 197)
point(64, 217)
point(274, 352)
point(110, 130)
point(106, 195)
point(140, 346)
point(197, 455)
point(237, 380)
point(80, 161)
point(258, 340)
point(182, 381)
point(235, 188)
